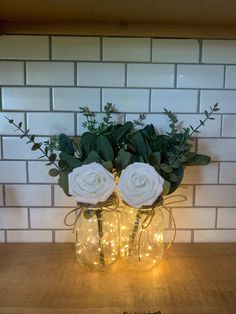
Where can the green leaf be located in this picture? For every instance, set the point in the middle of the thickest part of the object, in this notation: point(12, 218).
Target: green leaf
point(92, 157)
point(20, 125)
point(173, 177)
point(63, 182)
point(63, 164)
point(36, 146)
point(198, 160)
point(123, 159)
point(71, 161)
point(155, 159)
point(108, 165)
point(10, 121)
point(176, 164)
point(53, 172)
point(141, 146)
point(182, 159)
point(166, 168)
point(104, 148)
point(66, 144)
point(87, 144)
point(166, 187)
point(52, 157)
point(121, 132)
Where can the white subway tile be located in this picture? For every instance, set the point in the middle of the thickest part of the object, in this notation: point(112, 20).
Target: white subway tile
point(24, 47)
point(150, 75)
point(215, 236)
point(229, 125)
point(215, 195)
point(28, 195)
point(218, 149)
point(64, 236)
point(61, 199)
point(174, 100)
point(127, 100)
point(11, 73)
point(183, 190)
point(38, 172)
point(201, 175)
point(13, 218)
point(0, 147)
point(175, 50)
point(2, 237)
point(48, 218)
point(228, 172)
point(219, 51)
point(25, 98)
point(1, 196)
point(12, 171)
point(50, 123)
point(50, 73)
point(126, 49)
point(225, 98)
point(100, 74)
point(29, 236)
point(16, 148)
point(71, 99)
point(194, 217)
point(75, 48)
point(182, 236)
point(226, 218)
point(9, 129)
point(230, 77)
point(119, 118)
point(200, 76)
point(161, 123)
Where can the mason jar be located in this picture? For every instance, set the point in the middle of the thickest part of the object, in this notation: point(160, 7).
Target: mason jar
point(141, 237)
point(97, 234)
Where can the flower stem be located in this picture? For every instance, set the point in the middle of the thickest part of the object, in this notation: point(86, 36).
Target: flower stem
point(100, 234)
point(134, 232)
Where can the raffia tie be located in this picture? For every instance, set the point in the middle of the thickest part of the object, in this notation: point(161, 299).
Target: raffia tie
point(151, 212)
point(109, 205)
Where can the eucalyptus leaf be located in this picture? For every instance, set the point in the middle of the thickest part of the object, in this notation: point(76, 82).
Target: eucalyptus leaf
point(63, 182)
point(92, 157)
point(198, 160)
point(166, 168)
point(88, 143)
point(53, 172)
point(104, 148)
point(72, 162)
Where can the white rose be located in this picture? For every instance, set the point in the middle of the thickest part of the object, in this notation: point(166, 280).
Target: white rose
point(91, 183)
point(140, 185)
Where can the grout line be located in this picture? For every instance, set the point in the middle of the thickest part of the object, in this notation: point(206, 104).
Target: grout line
point(198, 101)
point(50, 47)
point(5, 236)
point(50, 100)
point(4, 195)
point(175, 76)
point(200, 41)
point(29, 218)
point(101, 49)
point(25, 75)
point(216, 217)
point(224, 77)
point(75, 74)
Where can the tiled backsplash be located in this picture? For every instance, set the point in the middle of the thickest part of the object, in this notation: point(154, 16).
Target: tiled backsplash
point(45, 79)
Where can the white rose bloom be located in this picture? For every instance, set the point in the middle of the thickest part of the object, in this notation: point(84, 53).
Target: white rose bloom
point(91, 183)
point(140, 185)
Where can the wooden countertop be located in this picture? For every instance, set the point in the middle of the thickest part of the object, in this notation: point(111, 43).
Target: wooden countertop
point(46, 279)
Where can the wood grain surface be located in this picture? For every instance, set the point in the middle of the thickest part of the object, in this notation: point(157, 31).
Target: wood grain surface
point(46, 279)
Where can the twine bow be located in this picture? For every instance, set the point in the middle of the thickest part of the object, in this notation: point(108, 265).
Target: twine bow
point(109, 205)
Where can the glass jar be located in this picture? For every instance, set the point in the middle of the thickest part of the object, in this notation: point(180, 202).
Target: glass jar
point(97, 234)
point(141, 237)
